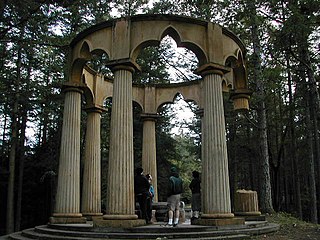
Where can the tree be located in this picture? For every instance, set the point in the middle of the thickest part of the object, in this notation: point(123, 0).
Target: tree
point(265, 180)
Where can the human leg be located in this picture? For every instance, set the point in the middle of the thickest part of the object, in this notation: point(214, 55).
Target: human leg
point(176, 217)
point(142, 199)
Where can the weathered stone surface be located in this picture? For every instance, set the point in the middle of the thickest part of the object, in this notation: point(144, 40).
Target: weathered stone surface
point(102, 223)
point(65, 220)
point(246, 203)
point(218, 222)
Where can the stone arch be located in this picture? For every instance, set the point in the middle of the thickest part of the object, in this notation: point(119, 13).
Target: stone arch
point(169, 100)
point(87, 92)
point(76, 70)
point(136, 51)
point(174, 97)
point(239, 71)
point(174, 33)
point(226, 85)
point(85, 50)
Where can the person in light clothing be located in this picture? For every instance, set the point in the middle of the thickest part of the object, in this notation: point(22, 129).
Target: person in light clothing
point(175, 188)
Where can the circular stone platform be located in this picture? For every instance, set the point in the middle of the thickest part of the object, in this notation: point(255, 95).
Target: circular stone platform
point(155, 231)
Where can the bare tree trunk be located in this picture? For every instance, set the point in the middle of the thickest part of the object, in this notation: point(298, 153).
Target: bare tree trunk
point(21, 170)
point(312, 182)
point(12, 157)
point(314, 110)
point(265, 180)
point(21, 156)
point(293, 147)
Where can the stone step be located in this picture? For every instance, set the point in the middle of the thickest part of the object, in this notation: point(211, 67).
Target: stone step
point(31, 234)
point(156, 231)
point(18, 236)
point(168, 232)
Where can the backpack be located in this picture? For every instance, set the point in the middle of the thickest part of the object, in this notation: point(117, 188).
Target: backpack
point(176, 185)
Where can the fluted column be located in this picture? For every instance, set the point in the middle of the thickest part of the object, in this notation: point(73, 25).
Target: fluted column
point(149, 160)
point(120, 186)
point(91, 190)
point(68, 190)
point(215, 175)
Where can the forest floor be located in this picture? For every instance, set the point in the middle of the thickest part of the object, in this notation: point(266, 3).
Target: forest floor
point(291, 228)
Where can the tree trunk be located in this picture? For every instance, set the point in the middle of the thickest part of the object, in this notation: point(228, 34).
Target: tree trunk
point(21, 156)
point(293, 147)
point(21, 170)
point(12, 156)
point(311, 174)
point(265, 183)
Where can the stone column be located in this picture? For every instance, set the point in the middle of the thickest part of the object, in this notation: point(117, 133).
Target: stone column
point(215, 175)
point(120, 186)
point(215, 190)
point(67, 209)
point(91, 190)
point(149, 160)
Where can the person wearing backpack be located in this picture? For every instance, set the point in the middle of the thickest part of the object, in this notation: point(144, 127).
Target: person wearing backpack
point(175, 188)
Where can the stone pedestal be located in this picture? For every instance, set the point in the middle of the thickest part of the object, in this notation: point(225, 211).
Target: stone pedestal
point(246, 205)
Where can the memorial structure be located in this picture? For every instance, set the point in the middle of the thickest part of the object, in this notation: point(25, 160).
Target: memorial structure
point(221, 64)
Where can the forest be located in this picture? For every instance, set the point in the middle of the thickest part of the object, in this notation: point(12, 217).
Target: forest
point(273, 148)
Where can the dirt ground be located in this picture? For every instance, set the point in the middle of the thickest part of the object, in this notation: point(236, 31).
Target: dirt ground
point(291, 229)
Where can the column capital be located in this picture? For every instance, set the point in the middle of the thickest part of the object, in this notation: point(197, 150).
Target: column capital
point(212, 68)
point(240, 93)
point(240, 98)
point(94, 108)
point(123, 64)
point(149, 116)
point(73, 87)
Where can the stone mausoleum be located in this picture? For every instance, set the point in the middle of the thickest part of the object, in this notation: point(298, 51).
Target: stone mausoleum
point(222, 69)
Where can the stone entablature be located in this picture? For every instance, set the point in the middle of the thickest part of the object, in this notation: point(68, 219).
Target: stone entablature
point(122, 39)
point(149, 97)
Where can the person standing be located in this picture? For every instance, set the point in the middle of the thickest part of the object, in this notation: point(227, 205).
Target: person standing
point(141, 190)
point(195, 187)
point(150, 199)
point(175, 188)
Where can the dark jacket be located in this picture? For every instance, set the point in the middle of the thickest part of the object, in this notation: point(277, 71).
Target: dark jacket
point(195, 185)
point(175, 185)
point(141, 184)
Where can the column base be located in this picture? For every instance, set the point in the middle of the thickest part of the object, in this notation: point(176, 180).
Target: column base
point(90, 216)
point(60, 218)
point(253, 218)
point(101, 222)
point(217, 215)
point(247, 213)
point(218, 221)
